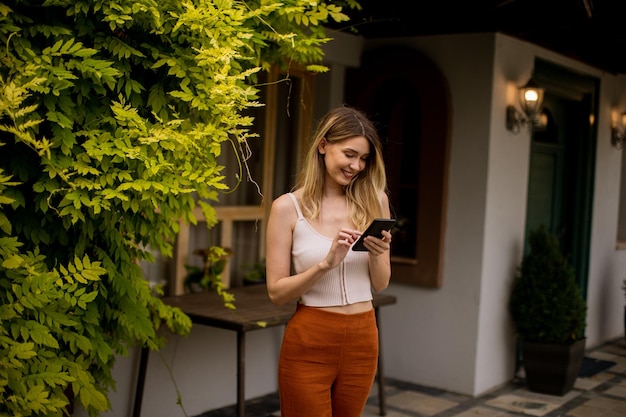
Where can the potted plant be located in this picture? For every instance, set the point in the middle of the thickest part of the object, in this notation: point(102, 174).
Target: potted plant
point(255, 273)
point(549, 315)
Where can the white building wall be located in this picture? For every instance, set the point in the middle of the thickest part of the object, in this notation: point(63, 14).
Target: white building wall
point(607, 267)
point(504, 217)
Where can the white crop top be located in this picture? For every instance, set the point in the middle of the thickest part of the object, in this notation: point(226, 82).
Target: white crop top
point(347, 283)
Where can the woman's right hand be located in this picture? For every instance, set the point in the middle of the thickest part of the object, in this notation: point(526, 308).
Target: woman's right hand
point(342, 243)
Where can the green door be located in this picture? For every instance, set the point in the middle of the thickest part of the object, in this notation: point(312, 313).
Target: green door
point(562, 162)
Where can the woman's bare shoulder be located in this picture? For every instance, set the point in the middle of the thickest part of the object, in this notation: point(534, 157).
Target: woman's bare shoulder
point(283, 205)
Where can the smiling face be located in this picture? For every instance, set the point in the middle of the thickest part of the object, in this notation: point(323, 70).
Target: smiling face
point(344, 159)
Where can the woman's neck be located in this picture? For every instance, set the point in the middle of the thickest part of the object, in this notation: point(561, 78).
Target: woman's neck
point(332, 189)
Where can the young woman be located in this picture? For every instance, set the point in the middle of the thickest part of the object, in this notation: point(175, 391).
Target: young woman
point(330, 348)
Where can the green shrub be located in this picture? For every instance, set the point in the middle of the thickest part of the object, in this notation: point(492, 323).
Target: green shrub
point(112, 114)
point(546, 304)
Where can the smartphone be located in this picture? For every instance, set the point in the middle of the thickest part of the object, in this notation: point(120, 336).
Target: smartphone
point(374, 229)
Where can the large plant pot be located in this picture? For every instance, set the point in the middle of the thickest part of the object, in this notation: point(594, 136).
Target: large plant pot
point(552, 368)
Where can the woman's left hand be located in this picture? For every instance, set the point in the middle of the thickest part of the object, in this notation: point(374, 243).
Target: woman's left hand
point(376, 246)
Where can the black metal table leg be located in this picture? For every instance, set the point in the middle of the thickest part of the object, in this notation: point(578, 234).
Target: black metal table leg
point(141, 379)
point(241, 374)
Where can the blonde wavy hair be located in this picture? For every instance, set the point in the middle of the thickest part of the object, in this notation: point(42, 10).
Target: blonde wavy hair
point(365, 190)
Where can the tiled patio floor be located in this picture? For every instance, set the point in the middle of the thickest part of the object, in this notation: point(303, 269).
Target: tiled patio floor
point(600, 395)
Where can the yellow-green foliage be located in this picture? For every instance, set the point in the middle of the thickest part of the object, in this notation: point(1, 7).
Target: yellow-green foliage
point(112, 114)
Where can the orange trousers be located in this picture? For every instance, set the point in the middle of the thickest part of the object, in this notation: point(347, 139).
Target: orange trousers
point(327, 363)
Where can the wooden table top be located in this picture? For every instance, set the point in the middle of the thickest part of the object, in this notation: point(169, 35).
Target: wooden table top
point(253, 311)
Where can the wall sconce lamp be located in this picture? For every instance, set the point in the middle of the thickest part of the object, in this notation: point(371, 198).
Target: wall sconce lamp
point(618, 131)
point(531, 98)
